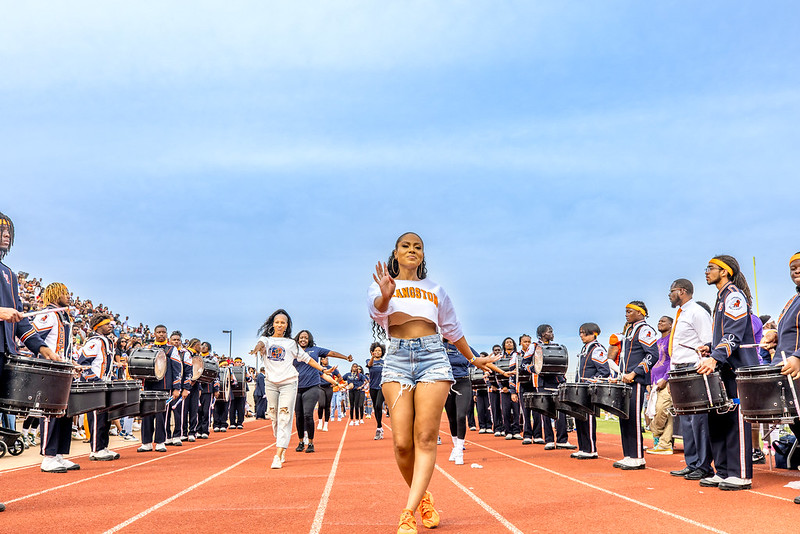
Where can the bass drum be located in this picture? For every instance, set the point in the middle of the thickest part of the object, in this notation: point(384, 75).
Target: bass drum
point(693, 393)
point(147, 364)
point(204, 370)
point(613, 398)
point(225, 384)
point(238, 381)
point(476, 378)
point(35, 385)
point(553, 360)
point(767, 396)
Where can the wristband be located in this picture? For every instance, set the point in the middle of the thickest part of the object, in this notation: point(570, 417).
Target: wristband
point(471, 360)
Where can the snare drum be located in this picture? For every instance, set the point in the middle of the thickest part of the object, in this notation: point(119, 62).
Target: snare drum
point(147, 364)
point(207, 370)
point(35, 385)
point(86, 397)
point(543, 402)
point(116, 394)
point(239, 388)
point(132, 396)
point(569, 409)
point(554, 360)
point(578, 396)
point(152, 402)
point(503, 365)
point(611, 397)
point(476, 378)
point(694, 393)
point(767, 396)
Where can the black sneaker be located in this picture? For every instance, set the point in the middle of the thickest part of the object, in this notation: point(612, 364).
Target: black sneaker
point(758, 457)
point(310, 447)
point(301, 446)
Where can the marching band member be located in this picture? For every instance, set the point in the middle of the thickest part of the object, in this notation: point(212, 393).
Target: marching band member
point(208, 391)
point(98, 356)
point(731, 436)
point(531, 422)
point(494, 396)
point(237, 403)
point(55, 327)
point(508, 389)
point(12, 323)
point(638, 355)
point(175, 409)
point(221, 404)
point(481, 396)
point(592, 364)
point(192, 400)
point(154, 427)
point(786, 340)
point(561, 439)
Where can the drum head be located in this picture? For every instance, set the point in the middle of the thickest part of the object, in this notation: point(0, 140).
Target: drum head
point(160, 365)
point(538, 359)
point(226, 386)
point(197, 367)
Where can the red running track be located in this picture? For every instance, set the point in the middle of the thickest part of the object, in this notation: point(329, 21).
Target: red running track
point(352, 485)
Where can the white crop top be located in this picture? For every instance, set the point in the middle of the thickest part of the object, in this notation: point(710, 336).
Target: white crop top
point(418, 299)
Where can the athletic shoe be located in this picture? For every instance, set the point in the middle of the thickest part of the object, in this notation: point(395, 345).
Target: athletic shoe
point(223, 429)
point(351, 423)
point(310, 448)
point(453, 453)
point(473, 428)
point(438, 440)
point(527, 441)
point(160, 447)
point(101, 456)
point(758, 457)
point(378, 434)
point(575, 454)
point(71, 466)
point(300, 447)
point(735, 484)
point(130, 437)
point(239, 427)
point(203, 436)
point(711, 482)
point(459, 459)
point(50, 464)
point(588, 456)
point(137, 426)
point(619, 463)
point(633, 464)
point(550, 446)
point(183, 438)
point(216, 429)
point(146, 448)
point(661, 448)
point(325, 427)
point(191, 439)
point(517, 436)
point(3, 507)
point(538, 441)
point(361, 422)
point(796, 501)
point(113, 431)
point(429, 515)
point(319, 424)
point(25, 441)
point(408, 523)
point(115, 455)
point(509, 436)
point(498, 434)
point(177, 442)
point(276, 462)
point(482, 431)
point(569, 446)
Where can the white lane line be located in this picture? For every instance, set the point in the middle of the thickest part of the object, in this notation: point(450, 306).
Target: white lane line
point(609, 492)
point(316, 526)
point(494, 513)
point(184, 492)
point(54, 488)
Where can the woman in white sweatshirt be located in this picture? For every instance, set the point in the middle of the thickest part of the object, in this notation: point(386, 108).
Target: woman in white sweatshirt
point(278, 350)
point(417, 376)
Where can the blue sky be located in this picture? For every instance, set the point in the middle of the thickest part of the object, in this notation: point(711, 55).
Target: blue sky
point(201, 165)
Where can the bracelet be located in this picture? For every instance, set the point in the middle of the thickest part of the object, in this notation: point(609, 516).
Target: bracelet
point(472, 360)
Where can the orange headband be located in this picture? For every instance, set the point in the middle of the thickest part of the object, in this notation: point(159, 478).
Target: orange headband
point(720, 263)
point(637, 308)
point(101, 323)
point(795, 257)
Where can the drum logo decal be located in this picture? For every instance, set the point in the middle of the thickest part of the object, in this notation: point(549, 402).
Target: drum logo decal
point(276, 354)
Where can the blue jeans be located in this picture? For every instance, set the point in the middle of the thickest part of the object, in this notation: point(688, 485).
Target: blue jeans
point(411, 361)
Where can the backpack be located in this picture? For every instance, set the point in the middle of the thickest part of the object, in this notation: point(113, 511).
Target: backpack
point(787, 453)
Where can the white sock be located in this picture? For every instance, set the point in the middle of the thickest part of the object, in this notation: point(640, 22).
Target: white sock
point(459, 445)
point(455, 441)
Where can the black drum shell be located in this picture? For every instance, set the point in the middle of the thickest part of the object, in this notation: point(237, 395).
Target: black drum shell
point(129, 410)
point(116, 394)
point(613, 398)
point(569, 409)
point(152, 402)
point(25, 378)
point(503, 365)
point(210, 371)
point(133, 389)
point(476, 378)
point(239, 389)
point(555, 360)
point(142, 363)
point(765, 395)
point(86, 397)
point(577, 395)
point(543, 402)
point(688, 390)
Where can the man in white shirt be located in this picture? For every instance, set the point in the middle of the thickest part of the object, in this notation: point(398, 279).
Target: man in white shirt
point(691, 328)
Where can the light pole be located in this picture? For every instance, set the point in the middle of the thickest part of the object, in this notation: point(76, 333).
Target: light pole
point(230, 342)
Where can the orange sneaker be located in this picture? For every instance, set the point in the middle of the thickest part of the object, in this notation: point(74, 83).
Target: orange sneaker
point(408, 523)
point(430, 517)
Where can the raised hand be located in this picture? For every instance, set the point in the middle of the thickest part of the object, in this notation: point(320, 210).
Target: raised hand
point(384, 281)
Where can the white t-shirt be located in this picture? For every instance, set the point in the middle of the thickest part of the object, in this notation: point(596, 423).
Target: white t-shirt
point(415, 299)
point(281, 352)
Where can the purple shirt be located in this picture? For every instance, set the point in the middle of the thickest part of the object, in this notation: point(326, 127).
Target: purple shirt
point(661, 368)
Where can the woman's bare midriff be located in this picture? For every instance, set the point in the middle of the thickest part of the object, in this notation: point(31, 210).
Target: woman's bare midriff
point(411, 328)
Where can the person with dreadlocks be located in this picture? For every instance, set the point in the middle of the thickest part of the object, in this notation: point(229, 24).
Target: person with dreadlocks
point(97, 357)
point(731, 436)
point(639, 353)
point(12, 323)
point(278, 351)
point(417, 375)
point(55, 327)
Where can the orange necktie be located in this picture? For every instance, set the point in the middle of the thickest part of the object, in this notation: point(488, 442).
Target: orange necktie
point(672, 333)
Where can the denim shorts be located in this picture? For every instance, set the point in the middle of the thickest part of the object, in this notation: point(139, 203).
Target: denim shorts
point(411, 361)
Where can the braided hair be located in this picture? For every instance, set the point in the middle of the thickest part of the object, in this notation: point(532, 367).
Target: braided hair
point(5, 220)
point(738, 278)
point(267, 328)
point(53, 292)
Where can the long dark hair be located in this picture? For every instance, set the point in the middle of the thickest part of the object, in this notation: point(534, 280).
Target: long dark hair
point(503, 345)
point(268, 330)
point(310, 337)
point(6, 220)
point(737, 278)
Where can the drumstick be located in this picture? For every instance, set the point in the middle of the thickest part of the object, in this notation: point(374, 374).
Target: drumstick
point(687, 347)
point(46, 310)
point(791, 385)
point(752, 346)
